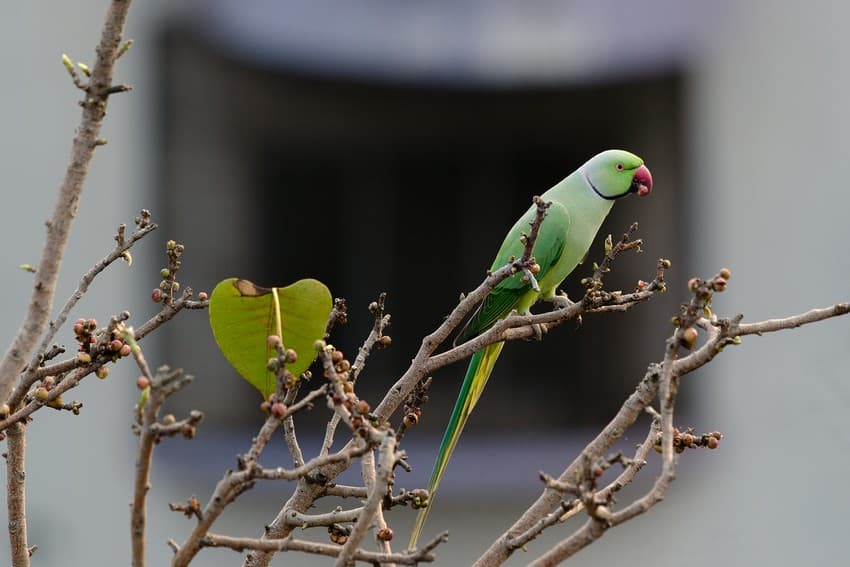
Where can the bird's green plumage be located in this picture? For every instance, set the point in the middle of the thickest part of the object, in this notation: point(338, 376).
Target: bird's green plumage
point(480, 365)
point(579, 204)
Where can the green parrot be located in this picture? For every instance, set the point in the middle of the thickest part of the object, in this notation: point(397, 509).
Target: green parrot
point(579, 204)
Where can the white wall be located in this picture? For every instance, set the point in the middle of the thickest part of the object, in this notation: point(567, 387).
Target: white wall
point(79, 467)
point(769, 123)
point(771, 149)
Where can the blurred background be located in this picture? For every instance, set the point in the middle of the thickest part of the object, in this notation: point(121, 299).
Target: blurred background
point(388, 147)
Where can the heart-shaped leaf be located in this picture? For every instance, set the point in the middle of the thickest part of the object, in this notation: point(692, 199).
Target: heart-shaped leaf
point(243, 315)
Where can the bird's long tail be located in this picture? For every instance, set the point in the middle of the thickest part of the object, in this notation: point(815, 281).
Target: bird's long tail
point(480, 366)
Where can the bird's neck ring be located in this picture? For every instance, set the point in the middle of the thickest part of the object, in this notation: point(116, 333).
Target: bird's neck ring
point(595, 190)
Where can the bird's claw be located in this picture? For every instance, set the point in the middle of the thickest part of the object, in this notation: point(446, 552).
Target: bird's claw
point(561, 301)
point(539, 330)
point(529, 278)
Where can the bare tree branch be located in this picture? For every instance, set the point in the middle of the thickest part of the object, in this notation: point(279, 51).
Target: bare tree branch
point(16, 494)
point(555, 517)
point(86, 139)
point(422, 555)
point(380, 486)
point(169, 310)
point(83, 369)
point(289, 423)
point(792, 322)
point(663, 377)
point(338, 516)
point(345, 491)
point(158, 388)
point(381, 322)
point(122, 246)
point(235, 482)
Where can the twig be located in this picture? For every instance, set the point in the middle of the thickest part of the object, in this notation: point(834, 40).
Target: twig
point(191, 508)
point(306, 402)
point(383, 476)
point(260, 441)
point(56, 369)
point(16, 494)
point(356, 415)
point(97, 94)
point(339, 314)
point(421, 555)
point(591, 529)
point(594, 283)
point(530, 239)
point(792, 322)
point(383, 533)
point(184, 427)
point(160, 386)
point(636, 463)
point(344, 456)
point(516, 327)
point(330, 433)
point(547, 521)
point(169, 310)
point(723, 334)
point(82, 370)
point(122, 247)
point(344, 491)
point(30, 378)
point(596, 526)
point(413, 407)
point(235, 482)
point(289, 423)
point(138, 513)
point(60, 388)
point(338, 516)
point(103, 355)
point(381, 321)
point(129, 336)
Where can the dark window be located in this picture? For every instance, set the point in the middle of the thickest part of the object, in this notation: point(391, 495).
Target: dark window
point(381, 187)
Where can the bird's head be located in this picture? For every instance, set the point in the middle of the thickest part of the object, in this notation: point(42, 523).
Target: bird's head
point(616, 173)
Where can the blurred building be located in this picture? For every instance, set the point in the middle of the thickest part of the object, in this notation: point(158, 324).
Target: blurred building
point(371, 178)
point(382, 146)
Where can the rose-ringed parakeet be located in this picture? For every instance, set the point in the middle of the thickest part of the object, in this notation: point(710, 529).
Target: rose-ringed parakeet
point(579, 204)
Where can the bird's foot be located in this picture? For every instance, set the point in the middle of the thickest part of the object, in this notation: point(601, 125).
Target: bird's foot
point(561, 301)
point(539, 329)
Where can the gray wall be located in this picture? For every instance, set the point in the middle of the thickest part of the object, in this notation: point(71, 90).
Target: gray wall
point(79, 467)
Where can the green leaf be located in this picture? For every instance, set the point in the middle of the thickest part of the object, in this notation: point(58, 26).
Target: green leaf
point(243, 315)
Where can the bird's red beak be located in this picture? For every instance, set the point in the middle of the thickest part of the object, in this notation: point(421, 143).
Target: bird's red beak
point(642, 181)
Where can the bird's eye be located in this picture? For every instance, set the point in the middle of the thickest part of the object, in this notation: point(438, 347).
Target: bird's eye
point(619, 167)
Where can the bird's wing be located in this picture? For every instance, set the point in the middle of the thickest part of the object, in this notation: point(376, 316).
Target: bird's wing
point(548, 248)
